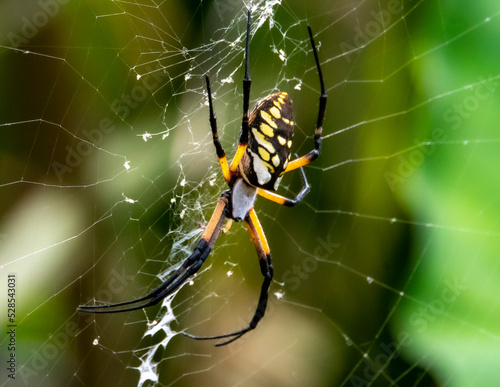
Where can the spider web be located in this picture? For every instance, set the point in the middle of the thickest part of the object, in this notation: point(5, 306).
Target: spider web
point(386, 274)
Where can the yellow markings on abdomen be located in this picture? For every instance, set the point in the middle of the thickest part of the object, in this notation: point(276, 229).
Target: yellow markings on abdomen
point(264, 155)
point(262, 169)
point(267, 130)
point(262, 141)
point(275, 112)
point(267, 117)
point(270, 144)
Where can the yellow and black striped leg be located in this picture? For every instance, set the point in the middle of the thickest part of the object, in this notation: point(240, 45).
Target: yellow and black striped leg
point(283, 200)
point(218, 147)
point(303, 160)
point(190, 266)
point(306, 159)
point(242, 145)
point(266, 268)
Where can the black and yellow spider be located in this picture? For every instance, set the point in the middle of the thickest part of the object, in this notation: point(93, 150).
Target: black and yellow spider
point(262, 157)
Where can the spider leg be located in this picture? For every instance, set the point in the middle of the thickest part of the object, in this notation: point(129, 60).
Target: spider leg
point(190, 266)
point(283, 200)
point(266, 268)
point(243, 142)
point(218, 147)
point(312, 155)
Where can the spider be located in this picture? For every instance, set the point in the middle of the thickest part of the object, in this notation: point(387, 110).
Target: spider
point(261, 159)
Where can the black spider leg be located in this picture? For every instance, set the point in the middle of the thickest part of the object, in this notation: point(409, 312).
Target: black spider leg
point(215, 136)
point(243, 141)
point(229, 170)
point(313, 155)
point(190, 266)
point(266, 269)
point(322, 99)
point(246, 87)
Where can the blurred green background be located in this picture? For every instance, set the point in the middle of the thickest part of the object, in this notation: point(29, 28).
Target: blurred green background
point(387, 274)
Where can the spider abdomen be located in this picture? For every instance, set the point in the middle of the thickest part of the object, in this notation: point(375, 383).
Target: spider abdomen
point(269, 142)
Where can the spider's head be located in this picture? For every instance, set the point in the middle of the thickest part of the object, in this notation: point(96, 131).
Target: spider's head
point(242, 199)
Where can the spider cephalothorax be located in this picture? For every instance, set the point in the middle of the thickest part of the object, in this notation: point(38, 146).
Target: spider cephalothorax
point(261, 159)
